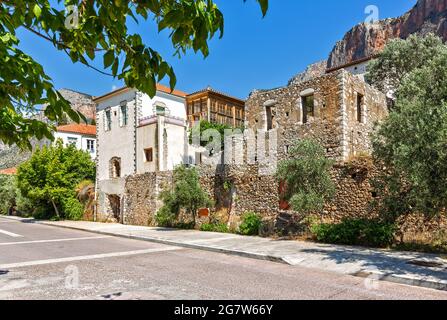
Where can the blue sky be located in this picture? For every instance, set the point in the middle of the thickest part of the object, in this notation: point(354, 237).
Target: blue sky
point(255, 53)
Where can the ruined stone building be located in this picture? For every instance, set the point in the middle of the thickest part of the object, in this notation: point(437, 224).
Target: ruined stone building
point(337, 109)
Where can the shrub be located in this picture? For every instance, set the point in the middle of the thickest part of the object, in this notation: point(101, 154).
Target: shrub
point(72, 209)
point(356, 232)
point(215, 227)
point(251, 224)
point(186, 194)
point(165, 218)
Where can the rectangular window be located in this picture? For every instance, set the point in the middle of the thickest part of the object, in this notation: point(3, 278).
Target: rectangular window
point(149, 155)
point(91, 146)
point(123, 114)
point(269, 118)
point(160, 110)
point(72, 141)
point(197, 107)
point(108, 120)
point(360, 101)
point(308, 107)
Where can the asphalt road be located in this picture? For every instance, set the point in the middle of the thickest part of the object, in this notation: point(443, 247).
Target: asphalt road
point(43, 262)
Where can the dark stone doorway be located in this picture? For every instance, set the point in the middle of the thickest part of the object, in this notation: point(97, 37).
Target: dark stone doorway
point(115, 205)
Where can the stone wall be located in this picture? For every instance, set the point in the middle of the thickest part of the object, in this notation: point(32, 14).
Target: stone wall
point(141, 197)
point(240, 189)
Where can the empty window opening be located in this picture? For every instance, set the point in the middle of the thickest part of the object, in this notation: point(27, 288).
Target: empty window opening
point(149, 155)
point(308, 107)
point(360, 101)
point(115, 168)
point(269, 117)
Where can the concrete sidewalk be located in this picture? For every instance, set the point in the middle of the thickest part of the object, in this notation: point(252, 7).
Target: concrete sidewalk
point(417, 269)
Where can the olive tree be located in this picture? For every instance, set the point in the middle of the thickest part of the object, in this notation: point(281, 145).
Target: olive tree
point(307, 178)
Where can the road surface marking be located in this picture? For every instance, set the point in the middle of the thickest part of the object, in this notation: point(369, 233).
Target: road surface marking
point(80, 258)
point(52, 240)
point(14, 235)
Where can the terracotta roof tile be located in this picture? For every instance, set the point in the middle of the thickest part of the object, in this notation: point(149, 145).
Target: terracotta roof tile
point(10, 171)
point(78, 128)
point(166, 89)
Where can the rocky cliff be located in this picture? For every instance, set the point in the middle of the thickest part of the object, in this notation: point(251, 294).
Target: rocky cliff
point(365, 40)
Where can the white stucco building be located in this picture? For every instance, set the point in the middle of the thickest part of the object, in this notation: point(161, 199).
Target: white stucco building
point(83, 136)
point(136, 134)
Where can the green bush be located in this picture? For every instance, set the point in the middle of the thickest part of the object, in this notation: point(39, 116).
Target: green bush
point(72, 209)
point(42, 213)
point(8, 193)
point(251, 224)
point(165, 218)
point(215, 227)
point(306, 177)
point(362, 232)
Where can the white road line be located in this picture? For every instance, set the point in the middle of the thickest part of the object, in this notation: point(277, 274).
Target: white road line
point(52, 240)
point(14, 235)
point(80, 258)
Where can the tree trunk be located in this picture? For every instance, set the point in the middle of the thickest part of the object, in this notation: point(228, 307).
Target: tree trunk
point(55, 208)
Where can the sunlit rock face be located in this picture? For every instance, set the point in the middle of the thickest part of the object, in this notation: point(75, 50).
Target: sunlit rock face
point(365, 40)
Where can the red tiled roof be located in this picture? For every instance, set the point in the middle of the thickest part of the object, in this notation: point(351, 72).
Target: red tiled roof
point(10, 171)
point(165, 89)
point(85, 129)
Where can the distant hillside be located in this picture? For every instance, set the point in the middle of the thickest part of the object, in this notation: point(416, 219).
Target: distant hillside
point(12, 156)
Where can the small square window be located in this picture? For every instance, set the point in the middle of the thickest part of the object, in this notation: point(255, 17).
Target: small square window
point(72, 141)
point(149, 155)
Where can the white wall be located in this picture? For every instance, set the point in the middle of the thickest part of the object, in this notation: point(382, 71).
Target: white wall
point(358, 69)
point(81, 142)
point(119, 141)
